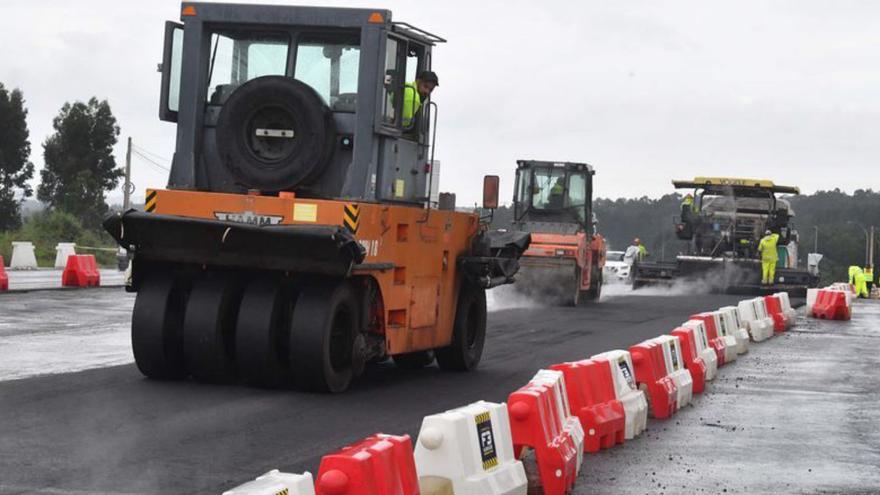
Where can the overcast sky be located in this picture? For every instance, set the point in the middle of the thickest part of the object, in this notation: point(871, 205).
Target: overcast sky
point(645, 91)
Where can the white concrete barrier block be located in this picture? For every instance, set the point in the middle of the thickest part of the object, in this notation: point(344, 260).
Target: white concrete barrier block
point(571, 424)
point(23, 257)
point(472, 448)
point(274, 483)
point(635, 405)
point(704, 350)
point(62, 251)
point(675, 368)
point(730, 316)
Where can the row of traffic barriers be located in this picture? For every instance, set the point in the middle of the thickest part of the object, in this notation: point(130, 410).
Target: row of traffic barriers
point(830, 303)
point(80, 270)
point(24, 255)
point(537, 440)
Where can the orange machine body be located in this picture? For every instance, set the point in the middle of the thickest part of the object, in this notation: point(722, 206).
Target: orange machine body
point(551, 250)
point(411, 252)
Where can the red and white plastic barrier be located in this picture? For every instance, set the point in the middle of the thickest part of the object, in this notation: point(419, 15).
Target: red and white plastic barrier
point(377, 465)
point(652, 377)
point(589, 387)
point(635, 405)
point(730, 317)
point(832, 305)
point(81, 271)
point(692, 361)
point(469, 449)
point(23, 256)
point(4, 278)
point(727, 334)
point(715, 340)
point(64, 250)
point(536, 427)
point(786, 308)
point(704, 350)
point(760, 328)
point(675, 369)
point(571, 424)
point(774, 310)
point(275, 482)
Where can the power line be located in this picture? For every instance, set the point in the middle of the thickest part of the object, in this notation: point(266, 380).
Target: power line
point(150, 160)
point(154, 155)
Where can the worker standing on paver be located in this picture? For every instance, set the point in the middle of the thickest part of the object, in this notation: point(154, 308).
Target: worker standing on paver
point(769, 257)
point(415, 94)
point(687, 207)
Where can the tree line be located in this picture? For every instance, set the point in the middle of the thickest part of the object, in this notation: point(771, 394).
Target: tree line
point(79, 169)
point(78, 156)
point(836, 216)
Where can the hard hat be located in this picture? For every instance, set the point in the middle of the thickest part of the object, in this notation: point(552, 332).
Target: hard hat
point(767, 232)
point(689, 195)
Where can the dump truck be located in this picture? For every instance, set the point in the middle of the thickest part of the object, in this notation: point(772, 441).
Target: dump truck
point(297, 239)
point(553, 201)
point(721, 228)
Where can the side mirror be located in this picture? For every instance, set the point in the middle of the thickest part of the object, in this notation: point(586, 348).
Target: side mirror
point(490, 192)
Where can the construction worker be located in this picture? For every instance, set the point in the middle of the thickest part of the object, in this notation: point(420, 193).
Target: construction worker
point(687, 207)
point(769, 257)
point(416, 93)
point(556, 199)
point(861, 288)
point(635, 252)
point(853, 269)
point(869, 277)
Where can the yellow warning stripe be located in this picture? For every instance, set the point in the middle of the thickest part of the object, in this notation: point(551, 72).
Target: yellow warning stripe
point(351, 217)
point(150, 204)
point(490, 463)
point(482, 417)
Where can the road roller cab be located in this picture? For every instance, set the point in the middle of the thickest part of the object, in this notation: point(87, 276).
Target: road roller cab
point(554, 202)
point(299, 237)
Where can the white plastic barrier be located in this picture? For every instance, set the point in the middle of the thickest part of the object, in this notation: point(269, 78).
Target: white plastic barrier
point(704, 351)
point(786, 308)
point(760, 328)
point(635, 406)
point(675, 368)
point(730, 317)
point(472, 448)
point(62, 251)
point(23, 257)
point(728, 335)
point(572, 424)
point(811, 299)
point(274, 483)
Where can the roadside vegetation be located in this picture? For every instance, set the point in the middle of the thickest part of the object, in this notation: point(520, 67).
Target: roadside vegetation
point(79, 170)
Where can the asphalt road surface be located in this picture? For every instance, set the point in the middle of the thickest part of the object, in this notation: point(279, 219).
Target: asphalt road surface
point(110, 430)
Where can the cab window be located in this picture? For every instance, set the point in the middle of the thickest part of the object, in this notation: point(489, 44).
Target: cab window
point(239, 57)
point(331, 68)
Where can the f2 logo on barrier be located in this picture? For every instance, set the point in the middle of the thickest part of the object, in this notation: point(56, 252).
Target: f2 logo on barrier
point(487, 441)
point(624, 368)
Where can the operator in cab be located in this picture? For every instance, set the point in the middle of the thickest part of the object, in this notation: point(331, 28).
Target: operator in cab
point(769, 257)
point(416, 93)
point(556, 199)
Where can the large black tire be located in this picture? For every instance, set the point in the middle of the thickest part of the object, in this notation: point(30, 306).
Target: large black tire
point(324, 336)
point(275, 163)
point(468, 332)
point(262, 333)
point(209, 329)
point(157, 328)
point(414, 360)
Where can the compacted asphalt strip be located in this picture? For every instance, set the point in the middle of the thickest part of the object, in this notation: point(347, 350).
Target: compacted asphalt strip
point(110, 430)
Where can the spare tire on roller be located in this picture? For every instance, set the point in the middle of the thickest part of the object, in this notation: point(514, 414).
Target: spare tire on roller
point(274, 133)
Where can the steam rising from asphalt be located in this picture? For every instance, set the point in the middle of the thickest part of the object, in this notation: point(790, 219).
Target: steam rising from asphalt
point(507, 297)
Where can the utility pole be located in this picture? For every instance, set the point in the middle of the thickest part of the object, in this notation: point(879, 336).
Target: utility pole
point(126, 188)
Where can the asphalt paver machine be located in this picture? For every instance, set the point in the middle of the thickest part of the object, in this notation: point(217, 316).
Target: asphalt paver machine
point(722, 229)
